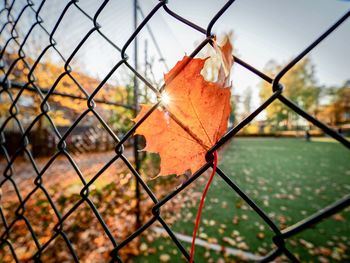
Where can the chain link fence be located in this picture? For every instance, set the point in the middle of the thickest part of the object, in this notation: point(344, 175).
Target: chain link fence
point(13, 41)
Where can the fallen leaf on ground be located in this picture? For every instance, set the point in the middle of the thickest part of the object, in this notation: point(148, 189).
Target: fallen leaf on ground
point(338, 217)
point(164, 258)
point(260, 235)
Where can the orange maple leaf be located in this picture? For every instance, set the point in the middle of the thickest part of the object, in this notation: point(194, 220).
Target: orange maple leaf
point(193, 117)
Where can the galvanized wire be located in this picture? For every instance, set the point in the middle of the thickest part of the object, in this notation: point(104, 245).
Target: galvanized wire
point(12, 18)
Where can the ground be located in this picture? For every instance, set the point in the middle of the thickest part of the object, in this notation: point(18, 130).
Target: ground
point(289, 179)
point(113, 195)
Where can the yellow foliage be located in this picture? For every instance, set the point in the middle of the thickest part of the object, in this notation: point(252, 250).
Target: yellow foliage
point(59, 119)
point(74, 83)
point(252, 128)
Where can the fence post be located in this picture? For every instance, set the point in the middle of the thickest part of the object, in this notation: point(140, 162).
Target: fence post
point(136, 138)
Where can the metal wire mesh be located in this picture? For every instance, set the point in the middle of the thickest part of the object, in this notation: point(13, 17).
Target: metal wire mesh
point(9, 22)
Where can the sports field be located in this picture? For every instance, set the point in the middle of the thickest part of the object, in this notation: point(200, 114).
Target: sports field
point(290, 179)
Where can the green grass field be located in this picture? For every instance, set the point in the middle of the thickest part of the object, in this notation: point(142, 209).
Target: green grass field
point(289, 179)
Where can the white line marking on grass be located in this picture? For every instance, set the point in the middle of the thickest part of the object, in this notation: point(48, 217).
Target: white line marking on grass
point(200, 242)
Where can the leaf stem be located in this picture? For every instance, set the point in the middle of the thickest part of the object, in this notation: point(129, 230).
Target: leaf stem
point(215, 163)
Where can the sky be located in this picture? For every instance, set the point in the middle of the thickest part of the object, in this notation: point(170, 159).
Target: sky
point(272, 29)
point(262, 31)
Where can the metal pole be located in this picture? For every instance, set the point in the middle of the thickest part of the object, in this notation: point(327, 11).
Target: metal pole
point(136, 139)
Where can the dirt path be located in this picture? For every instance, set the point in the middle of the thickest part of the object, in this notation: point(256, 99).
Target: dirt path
point(60, 170)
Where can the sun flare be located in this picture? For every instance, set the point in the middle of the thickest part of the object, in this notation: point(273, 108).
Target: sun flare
point(165, 98)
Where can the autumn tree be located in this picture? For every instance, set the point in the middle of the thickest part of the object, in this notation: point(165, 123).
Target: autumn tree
point(300, 86)
point(337, 111)
point(342, 102)
point(64, 110)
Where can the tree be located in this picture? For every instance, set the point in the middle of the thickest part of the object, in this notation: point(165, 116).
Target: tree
point(300, 86)
point(342, 103)
point(64, 110)
point(337, 112)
